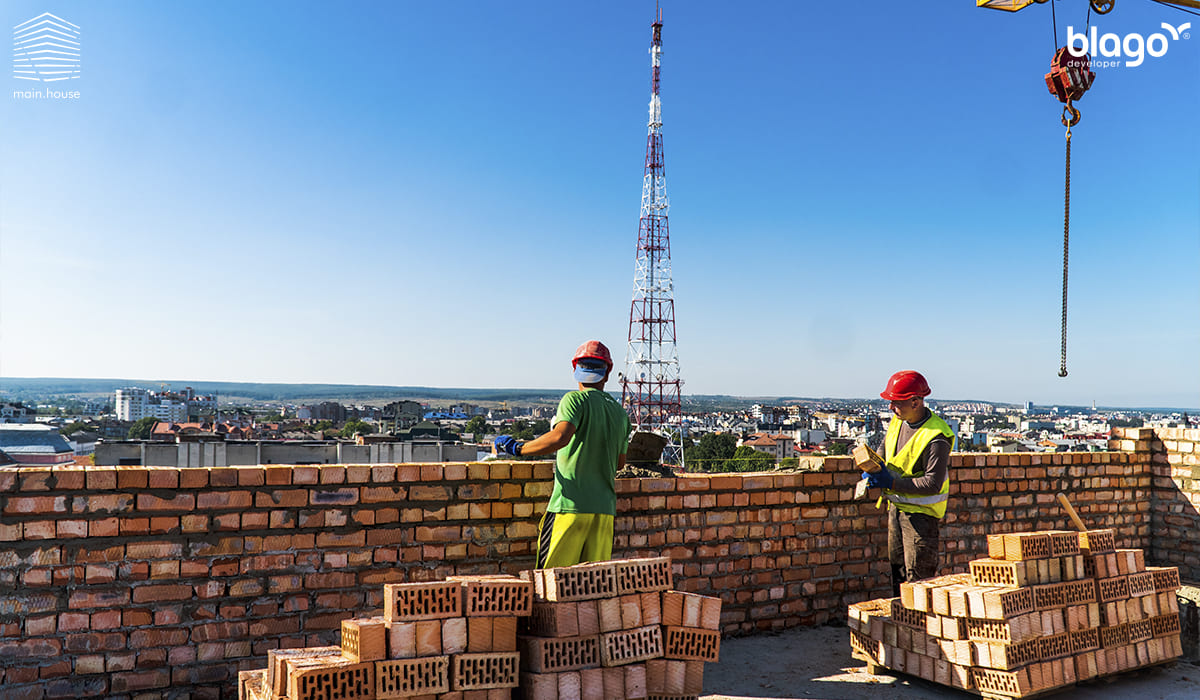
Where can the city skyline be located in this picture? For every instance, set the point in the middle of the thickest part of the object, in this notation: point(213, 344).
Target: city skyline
point(458, 204)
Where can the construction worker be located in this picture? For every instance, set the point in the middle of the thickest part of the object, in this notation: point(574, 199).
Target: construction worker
point(590, 435)
point(916, 480)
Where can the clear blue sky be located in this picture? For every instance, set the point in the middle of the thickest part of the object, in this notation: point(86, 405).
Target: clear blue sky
point(446, 194)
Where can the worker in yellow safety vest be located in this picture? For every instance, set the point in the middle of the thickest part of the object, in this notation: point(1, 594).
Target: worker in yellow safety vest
point(916, 481)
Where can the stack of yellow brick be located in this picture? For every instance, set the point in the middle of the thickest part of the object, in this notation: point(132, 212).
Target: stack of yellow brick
point(615, 631)
point(448, 640)
point(604, 631)
point(1043, 611)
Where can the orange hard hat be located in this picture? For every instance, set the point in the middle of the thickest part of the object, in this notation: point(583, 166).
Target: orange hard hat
point(592, 350)
point(905, 384)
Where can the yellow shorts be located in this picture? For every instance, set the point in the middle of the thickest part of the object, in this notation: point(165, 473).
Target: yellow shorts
point(565, 539)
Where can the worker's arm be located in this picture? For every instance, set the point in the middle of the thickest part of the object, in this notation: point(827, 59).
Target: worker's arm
point(549, 442)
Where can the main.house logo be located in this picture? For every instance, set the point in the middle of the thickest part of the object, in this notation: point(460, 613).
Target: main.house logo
point(46, 49)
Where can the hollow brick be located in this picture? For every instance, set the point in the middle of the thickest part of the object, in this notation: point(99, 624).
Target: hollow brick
point(422, 601)
point(484, 671)
point(629, 646)
point(412, 677)
point(332, 680)
point(553, 654)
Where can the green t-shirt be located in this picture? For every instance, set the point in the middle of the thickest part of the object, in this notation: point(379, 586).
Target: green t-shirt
point(586, 468)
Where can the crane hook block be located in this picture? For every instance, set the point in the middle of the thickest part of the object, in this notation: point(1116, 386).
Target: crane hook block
point(1070, 76)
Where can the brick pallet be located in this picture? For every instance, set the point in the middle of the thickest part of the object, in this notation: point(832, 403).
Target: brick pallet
point(602, 631)
point(1043, 611)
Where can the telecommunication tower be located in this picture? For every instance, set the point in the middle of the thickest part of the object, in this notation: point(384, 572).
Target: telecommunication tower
point(650, 384)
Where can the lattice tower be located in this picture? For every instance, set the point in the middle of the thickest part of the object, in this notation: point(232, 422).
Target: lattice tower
point(650, 385)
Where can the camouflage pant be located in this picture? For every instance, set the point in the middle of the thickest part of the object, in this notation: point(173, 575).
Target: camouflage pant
point(913, 544)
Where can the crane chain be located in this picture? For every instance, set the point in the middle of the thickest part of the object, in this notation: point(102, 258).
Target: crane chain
point(1062, 368)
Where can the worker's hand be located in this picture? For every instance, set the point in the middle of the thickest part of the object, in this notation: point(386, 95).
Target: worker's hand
point(881, 479)
point(508, 445)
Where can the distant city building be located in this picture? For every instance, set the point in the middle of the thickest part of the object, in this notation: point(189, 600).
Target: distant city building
point(133, 404)
point(399, 415)
point(16, 413)
point(778, 446)
point(328, 410)
point(34, 445)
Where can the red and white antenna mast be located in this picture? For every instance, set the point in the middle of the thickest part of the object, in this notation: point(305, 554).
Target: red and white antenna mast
point(650, 385)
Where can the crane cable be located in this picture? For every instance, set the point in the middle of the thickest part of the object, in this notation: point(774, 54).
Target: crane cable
point(1062, 367)
point(1070, 117)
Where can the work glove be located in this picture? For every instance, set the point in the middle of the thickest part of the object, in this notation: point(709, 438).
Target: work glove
point(881, 479)
point(508, 445)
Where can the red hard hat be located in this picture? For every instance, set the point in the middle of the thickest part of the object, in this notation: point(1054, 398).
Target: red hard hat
point(905, 384)
point(592, 350)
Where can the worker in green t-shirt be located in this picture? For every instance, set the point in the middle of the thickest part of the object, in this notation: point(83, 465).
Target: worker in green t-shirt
point(590, 433)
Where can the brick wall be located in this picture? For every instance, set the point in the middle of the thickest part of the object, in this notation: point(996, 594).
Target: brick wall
point(165, 582)
point(1175, 454)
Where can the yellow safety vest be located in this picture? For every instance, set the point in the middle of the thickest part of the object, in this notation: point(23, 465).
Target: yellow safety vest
point(902, 464)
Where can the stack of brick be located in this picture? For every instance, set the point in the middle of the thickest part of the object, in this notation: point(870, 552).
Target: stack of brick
point(615, 631)
point(1043, 611)
point(449, 640)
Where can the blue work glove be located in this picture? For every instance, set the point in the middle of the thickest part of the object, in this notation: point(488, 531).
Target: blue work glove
point(880, 479)
point(508, 445)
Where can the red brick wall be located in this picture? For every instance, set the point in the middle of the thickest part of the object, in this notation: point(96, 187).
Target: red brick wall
point(1176, 517)
point(116, 582)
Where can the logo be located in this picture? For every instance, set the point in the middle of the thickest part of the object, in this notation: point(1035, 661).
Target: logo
point(1134, 45)
point(46, 49)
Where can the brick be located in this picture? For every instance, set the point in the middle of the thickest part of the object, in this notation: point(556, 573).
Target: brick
point(402, 640)
point(551, 619)
point(579, 582)
point(631, 611)
point(343, 680)
point(504, 634)
point(496, 596)
point(1008, 574)
point(651, 606)
point(422, 601)
point(543, 686)
point(643, 575)
point(276, 680)
point(180, 502)
point(589, 617)
point(364, 639)
point(691, 643)
point(610, 614)
point(1026, 545)
point(548, 655)
point(479, 634)
point(484, 671)
point(429, 637)
point(412, 677)
point(455, 636)
point(629, 646)
point(1097, 541)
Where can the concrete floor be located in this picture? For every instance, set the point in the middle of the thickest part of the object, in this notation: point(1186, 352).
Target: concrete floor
point(808, 663)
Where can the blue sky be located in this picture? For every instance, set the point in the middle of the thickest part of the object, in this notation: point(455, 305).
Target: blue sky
point(446, 194)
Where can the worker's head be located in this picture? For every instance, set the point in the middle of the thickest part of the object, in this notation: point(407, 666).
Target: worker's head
point(592, 363)
point(907, 390)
